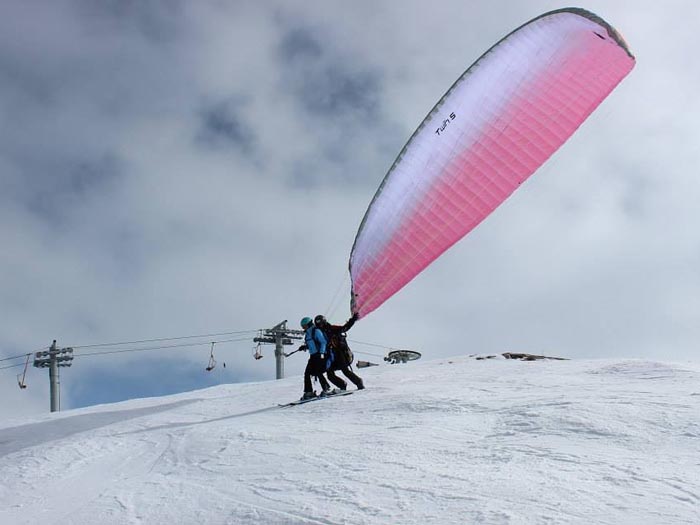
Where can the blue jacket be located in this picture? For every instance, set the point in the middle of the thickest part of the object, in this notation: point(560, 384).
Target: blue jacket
point(315, 340)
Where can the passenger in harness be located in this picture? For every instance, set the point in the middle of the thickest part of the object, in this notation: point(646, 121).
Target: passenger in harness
point(319, 357)
point(342, 355)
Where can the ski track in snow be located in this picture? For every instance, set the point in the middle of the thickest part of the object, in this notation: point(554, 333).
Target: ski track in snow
point(448, 441)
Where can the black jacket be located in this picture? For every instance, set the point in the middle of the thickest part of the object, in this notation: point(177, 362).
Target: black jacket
point(335, 334)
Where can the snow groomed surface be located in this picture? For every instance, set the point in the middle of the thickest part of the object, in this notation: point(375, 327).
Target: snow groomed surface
point(452, 441)
point(318, 398)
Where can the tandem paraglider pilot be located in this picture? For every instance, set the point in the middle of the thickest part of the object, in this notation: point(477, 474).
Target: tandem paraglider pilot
point(342, 355)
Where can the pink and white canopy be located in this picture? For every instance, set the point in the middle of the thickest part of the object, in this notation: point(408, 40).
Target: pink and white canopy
point(504, 117)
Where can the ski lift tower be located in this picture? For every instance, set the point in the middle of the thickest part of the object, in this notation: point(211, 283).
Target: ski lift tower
point(280, 336)
point(53, 358)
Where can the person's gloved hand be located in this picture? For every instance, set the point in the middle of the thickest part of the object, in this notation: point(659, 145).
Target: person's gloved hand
point(355, 317)
point(323, 356)
point(303, 348)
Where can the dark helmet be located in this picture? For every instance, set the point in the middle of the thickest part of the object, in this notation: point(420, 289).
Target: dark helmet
point(320, 320)
point(306, 322)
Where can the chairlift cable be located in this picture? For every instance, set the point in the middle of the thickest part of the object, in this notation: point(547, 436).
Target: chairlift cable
point(164, 347)
point(164, 339)
point(23, 355)
point(11, 366)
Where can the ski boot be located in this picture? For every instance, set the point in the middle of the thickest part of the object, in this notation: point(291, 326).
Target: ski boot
point(307, 396)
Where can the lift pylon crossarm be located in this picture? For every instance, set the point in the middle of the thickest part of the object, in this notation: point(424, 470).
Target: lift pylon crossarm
point(62, 356)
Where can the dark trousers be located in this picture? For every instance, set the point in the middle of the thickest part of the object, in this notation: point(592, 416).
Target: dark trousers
point(314, 367)
point(347, 372)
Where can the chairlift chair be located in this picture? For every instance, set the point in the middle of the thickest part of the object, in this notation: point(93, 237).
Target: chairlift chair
point(212, 361)
point(21, 377)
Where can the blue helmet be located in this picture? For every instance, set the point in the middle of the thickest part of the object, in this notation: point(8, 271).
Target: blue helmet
point(305, 322)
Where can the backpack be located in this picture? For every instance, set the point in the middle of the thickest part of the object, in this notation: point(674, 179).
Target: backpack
point(344, 349)
point(339, 344)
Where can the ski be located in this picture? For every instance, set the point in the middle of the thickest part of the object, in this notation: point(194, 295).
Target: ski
point(318, 398)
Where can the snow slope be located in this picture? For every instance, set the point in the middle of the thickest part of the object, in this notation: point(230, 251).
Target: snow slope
point(437, 442)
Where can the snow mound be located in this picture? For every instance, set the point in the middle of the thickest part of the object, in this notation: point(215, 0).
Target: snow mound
point(643, 369)
point(437, 442)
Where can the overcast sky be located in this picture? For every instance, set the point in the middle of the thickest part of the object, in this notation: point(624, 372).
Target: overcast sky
point(178, 168)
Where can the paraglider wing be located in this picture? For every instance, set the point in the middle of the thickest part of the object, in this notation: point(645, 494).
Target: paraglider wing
point(505, 116)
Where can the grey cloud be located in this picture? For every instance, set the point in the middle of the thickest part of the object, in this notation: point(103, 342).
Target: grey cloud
point(326, 83)
point(299, 45)
point(22, 84)
point(339, 98)
point(222, 126)
point(157, 21)
point(51, 188)
point(305, 174)
point(334, 90)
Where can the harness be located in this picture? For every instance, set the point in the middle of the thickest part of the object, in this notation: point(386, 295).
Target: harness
point(330, 355)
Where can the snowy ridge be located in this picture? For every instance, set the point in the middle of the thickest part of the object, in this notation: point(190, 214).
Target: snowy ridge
point(448, 441)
